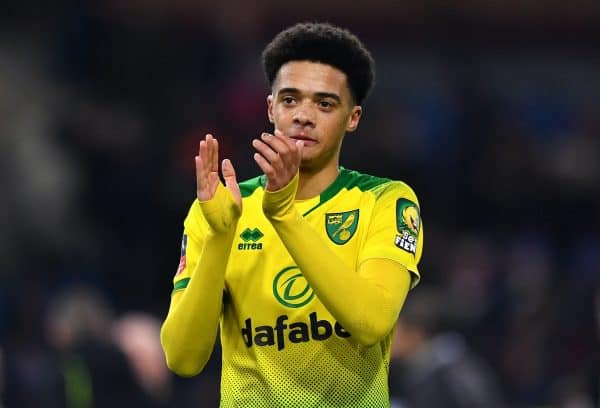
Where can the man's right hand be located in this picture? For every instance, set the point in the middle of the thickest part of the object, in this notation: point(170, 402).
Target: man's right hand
point(220, 208)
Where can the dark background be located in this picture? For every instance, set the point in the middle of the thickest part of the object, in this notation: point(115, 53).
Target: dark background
point(491, 112)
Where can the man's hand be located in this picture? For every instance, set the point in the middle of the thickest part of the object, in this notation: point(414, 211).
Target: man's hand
point(220, 210)
point(278, 157)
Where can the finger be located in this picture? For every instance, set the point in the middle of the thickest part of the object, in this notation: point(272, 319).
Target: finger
point(212, 181)
point(201, 177)
point(214, 158)
point(228, 172)
point(204, 154)
point(266, 151)
point(210, 153)
point(292, 149)
point(291, 143)
point(264, 165)
point(208, 148)
point(280, 144)
point(230, 177)
point(201, 160)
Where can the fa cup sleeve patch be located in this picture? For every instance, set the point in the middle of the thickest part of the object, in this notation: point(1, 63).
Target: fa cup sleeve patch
point(182, 264)
point(407, 224)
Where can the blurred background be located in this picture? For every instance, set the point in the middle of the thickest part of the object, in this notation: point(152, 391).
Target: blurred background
point(489, 110)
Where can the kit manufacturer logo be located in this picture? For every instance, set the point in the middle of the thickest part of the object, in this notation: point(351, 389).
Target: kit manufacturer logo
point(250, 238)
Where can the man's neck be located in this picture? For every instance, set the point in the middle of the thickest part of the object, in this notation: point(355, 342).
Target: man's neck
point(312, 184)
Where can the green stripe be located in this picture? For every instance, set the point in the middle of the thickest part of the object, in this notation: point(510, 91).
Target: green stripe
point(248, 187)
point(348, 179)
point(181, 284)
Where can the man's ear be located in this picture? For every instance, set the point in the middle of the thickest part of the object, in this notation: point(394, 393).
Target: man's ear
point(354, 118)
point(270, 108)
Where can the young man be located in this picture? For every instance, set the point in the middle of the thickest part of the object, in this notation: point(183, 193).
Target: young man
point(304, 269)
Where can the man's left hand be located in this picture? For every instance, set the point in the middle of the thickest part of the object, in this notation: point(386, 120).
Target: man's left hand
point(278, 157)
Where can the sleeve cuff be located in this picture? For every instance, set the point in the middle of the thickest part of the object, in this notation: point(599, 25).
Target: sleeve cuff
point(276, 204)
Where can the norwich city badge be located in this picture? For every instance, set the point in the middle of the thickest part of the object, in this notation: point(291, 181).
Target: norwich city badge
point(407, 223)
point(341, 227)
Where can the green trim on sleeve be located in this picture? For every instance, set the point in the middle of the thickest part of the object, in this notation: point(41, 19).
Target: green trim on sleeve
point(181, 284)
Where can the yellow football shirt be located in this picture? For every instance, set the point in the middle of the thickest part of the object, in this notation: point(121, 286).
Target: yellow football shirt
point(280, 346)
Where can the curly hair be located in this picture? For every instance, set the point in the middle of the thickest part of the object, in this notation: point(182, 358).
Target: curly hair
point(323, 43)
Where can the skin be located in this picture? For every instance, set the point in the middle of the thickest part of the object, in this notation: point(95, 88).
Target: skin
point(311, 108)
point(207, 172)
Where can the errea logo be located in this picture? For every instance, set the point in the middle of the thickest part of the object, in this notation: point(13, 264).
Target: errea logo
point(250, 238)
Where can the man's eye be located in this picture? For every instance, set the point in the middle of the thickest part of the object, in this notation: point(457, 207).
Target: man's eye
point(288, 100)
point(325, 104)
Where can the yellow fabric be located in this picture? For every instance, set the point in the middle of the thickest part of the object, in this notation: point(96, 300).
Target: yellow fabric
point(292, 286)
point(188, 338)
point(366, 303)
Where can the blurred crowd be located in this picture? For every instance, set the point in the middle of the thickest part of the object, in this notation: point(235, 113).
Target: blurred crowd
point(498, 134)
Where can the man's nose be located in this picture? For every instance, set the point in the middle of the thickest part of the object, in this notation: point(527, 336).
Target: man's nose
point(304, 116)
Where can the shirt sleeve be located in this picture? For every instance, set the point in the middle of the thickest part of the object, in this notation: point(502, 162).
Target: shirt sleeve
point(191, 246)
point(396, 231)
point(189, 331)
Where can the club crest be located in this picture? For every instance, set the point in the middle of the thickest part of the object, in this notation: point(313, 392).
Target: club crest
point(341, 227)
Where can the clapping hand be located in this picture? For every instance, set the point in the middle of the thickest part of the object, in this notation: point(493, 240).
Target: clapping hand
point(221, 208)
point(278, 157)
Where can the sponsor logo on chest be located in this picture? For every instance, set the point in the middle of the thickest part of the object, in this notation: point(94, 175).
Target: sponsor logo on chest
point(291, 290)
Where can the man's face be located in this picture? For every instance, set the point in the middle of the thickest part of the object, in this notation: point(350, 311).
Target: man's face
point(312, 102)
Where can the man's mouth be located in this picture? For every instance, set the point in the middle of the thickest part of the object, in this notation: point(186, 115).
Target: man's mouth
point(307, 140)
